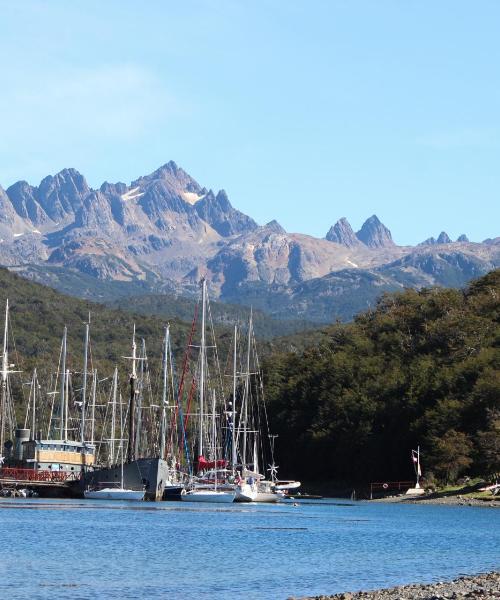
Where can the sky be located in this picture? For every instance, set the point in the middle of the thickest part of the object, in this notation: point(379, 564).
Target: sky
point(303, 112)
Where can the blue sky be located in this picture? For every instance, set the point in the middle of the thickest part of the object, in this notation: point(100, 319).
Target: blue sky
point(303, 111)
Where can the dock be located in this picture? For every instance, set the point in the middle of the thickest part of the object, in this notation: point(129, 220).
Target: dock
point(45, 482)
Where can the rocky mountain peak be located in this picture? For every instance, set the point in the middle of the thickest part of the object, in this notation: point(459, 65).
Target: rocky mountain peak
point(113, 189)
point(275, 227)
point(375, 234)
point(62, 195)
point(218, 212)
point(428, 242)
point(223, 201)
point(175, 178)
point(24, 199)
point(443, 238)
point(67, 180)
point(11, 223)
point(342, 233)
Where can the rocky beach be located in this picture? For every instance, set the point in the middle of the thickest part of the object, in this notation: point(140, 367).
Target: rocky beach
point(484, 585)
point(440, 499)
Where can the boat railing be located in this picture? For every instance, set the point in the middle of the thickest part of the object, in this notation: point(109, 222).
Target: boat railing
point(38, 475)
point(101, 485)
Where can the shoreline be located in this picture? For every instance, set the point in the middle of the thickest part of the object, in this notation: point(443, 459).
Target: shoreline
point(482, 585)
point(452, 500)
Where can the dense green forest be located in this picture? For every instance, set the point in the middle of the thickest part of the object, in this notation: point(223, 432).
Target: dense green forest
point(421, 368)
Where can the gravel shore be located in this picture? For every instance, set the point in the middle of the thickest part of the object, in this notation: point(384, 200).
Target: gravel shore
point(457, 501)
point(485, 585)
point(443, 500)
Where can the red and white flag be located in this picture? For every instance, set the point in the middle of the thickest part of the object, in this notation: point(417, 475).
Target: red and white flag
point(416, 462)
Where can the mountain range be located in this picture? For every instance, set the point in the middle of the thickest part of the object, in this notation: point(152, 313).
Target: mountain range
point(164, 231)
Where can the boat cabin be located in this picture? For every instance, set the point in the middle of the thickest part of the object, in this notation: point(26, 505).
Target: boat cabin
point(57, 455)
point(50, 455)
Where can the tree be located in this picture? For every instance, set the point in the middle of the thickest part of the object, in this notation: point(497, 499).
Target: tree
point(452, 454)
point(488, 443)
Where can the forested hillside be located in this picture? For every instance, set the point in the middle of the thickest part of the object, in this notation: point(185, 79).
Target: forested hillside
point(38, 315)
point(224, 315)
point(422, 368)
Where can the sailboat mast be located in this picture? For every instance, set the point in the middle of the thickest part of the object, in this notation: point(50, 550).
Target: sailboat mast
point(214, 437)
point(63, 385)
point(94, 393)
point(139, 401)
point(5, 350)
point(66, 407)
point(5, 370)
point(233, 416)
point(113, 419)
point(163, 433)
point(84, 386)
point(121, 442)
point(255, 453)
point(202, 363)
point(131, 412)
point(247, 391)
point(33, 416)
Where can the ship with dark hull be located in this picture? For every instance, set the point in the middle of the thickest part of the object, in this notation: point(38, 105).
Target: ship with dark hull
point(149, 474)
point(140, 445)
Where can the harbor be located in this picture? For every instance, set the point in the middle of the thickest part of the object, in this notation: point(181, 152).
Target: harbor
point(195, 434)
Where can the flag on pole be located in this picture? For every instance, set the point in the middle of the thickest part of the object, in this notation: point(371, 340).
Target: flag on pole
point(416, 462)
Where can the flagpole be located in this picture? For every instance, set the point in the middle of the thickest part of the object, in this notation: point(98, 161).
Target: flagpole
point(418, 467)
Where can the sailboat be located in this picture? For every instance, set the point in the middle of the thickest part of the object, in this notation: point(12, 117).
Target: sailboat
point(252, 485)
point(143, 466)
point(207, 495)
point(203, 489)
point(174, 483)
point(111, 492)
point(203, 493)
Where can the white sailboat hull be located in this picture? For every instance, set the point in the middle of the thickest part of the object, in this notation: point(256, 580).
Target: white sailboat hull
point(267, 497)
point(246, 492)
point(205, 495)
point(287, 485)
point(250, 493)
point(114, 494)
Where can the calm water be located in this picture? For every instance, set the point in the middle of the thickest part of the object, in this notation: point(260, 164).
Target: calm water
point(83, 549)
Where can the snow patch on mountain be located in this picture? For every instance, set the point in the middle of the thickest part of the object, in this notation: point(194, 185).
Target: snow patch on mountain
point(132, 194)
